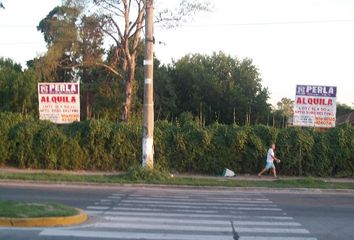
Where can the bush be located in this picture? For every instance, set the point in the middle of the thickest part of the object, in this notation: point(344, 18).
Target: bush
point(54, 150)
point(125, 146)
point(164, 144)
point(47, 143)
point(228, 142)
point(185, 146)
point(7, 122)
point(340, 143)
point(138, 173)
point(94, 137)
point(295, 149)
point(21, 143)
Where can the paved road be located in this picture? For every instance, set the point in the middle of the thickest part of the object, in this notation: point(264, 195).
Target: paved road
point(190, 214)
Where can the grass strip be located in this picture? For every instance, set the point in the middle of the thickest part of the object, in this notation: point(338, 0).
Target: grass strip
point(188, 181)
point(14, 209)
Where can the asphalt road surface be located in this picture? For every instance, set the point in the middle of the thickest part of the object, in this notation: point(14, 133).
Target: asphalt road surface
point(155, 213)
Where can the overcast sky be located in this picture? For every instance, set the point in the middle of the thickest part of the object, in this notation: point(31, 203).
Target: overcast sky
point(290, 41)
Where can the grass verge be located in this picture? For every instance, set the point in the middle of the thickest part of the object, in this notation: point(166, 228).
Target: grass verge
point(139, 176)
point(14, 209)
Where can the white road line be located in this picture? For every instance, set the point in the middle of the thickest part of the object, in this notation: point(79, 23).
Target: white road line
point(160, 206)
point(186, 210)
point(258, 209)
point(258, 223)
point(173, 227)
point(163, 227)
point(272, 230)
point(199, 221)
point(157, 197)
point(97, 208)
point(194, 196)
point(197, 201)
point(106, 203)
point(130, 235)
point(193, 193)
point(195, 215)
point(277, 238)
point(252, 203)
point(93, 213)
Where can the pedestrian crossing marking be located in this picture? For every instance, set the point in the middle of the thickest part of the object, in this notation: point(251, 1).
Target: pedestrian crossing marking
point(199, 221)
point(185, 215)
point(132, 235)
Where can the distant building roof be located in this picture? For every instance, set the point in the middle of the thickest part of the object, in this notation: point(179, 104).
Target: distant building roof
point(346, 118)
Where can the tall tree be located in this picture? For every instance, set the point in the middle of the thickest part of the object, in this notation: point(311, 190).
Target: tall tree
point(219, 88)
point(343, 109)
point(164, 92)
point(91, 52)
point(61, 35)
point(17, 88)
point(285, 109)
point(123, 22)
point(75, 50)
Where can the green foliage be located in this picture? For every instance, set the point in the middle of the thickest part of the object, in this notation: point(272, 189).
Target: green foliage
point(185, 146)
point(21, 139)
point(17, 88)
point(125, 145)
point(7, 122)
point(94, 138)
point(218, 88)
point(13, 209)
point(343, 109)
point(54, 150)
point(295, 146)
point(215, 88)
point(138, 173)
point(341, 150)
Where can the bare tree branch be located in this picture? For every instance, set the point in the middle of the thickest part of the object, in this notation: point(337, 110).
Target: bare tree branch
point(115, 24)
point(139, 19)
point(111, 69)
point(186, 10)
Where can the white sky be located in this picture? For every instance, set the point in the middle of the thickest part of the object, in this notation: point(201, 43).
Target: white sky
point(318, 51)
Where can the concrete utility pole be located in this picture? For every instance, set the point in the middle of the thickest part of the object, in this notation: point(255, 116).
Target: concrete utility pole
point(148, 125)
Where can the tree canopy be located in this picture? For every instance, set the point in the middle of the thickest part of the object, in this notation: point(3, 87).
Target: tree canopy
point(212, 88)
point(219, 88)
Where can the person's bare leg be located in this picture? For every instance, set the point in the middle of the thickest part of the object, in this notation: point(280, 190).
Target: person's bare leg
point(260, 174)
point(274, 172)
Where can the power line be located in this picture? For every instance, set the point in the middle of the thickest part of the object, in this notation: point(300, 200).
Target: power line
point(272, 23)
point(21, 43)
point(321, 21)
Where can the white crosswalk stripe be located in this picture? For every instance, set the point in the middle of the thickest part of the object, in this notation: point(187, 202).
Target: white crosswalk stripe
point(185, 215)
point(211, 222)
point(130, 235)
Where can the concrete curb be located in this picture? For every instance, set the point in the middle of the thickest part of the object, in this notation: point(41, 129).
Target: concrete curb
point(45, 221)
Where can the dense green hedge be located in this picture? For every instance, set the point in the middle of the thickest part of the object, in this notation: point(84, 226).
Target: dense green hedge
point(184, 146)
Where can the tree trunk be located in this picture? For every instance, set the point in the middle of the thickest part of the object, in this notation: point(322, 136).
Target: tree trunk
point(129, 85)
point(88, 106)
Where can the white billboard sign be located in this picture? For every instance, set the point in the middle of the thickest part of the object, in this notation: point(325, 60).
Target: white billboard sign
point(59, 102)
point(315, 106)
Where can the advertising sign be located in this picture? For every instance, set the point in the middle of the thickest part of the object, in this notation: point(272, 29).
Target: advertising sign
point(59, 102)
point(315, 106)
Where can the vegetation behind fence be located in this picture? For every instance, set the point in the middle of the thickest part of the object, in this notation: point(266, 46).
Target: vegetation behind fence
point(183, 146)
